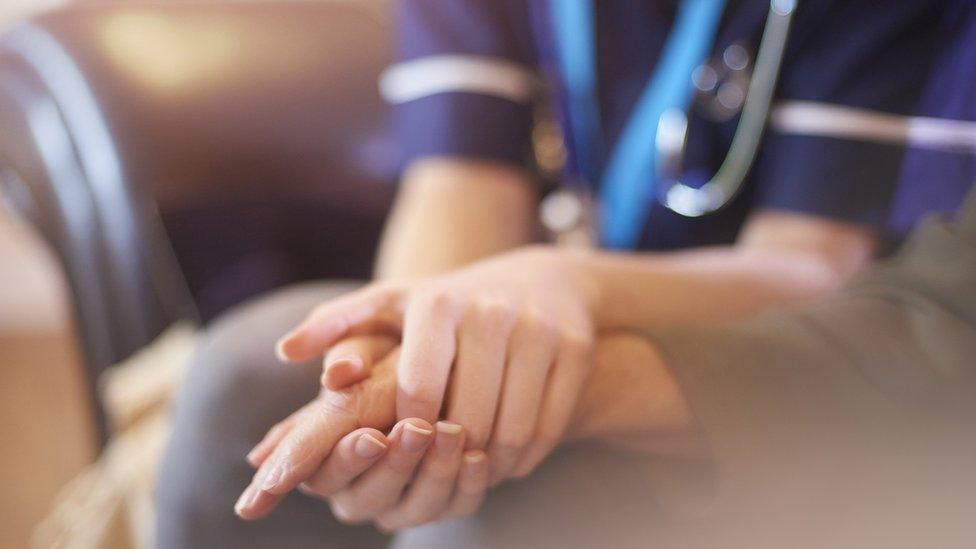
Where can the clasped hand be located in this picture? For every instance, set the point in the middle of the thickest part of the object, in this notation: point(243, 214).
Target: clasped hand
point(498, 352)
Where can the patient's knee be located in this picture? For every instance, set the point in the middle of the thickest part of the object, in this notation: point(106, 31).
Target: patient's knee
point(235, 384)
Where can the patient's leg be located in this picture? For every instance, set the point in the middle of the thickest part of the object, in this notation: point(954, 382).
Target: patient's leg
point(235, 391)
point(582, 497)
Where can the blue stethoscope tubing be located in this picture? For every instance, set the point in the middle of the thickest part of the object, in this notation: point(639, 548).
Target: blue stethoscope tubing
point(629, 174)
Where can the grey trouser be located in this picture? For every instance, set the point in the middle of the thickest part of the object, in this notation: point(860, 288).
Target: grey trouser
point(236, 390)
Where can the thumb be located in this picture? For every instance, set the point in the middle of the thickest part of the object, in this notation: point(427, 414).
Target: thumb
point(351, 360)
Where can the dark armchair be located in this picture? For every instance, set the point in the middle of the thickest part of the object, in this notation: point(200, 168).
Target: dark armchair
point(181, 157)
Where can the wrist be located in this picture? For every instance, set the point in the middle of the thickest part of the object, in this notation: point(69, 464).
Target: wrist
point(581, 267)
point(630, 393)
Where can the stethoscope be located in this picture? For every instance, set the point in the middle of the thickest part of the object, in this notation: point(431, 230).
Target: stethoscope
point(652, 144)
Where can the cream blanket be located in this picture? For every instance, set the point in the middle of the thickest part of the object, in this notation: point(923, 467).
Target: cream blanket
point(109, 505)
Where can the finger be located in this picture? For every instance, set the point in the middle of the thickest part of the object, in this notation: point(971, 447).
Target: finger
point(533, 349)
point(482, 347)
point(257, 456)
point(333, 320)
point(431, 489)
point(471, 487)
point(380, 487)
point(255, 503)
point(354, 454)
point(319, 427)
point(351, 360)
point(562, 393)
point(263, 449)
point(426, 355)
point(297, 456)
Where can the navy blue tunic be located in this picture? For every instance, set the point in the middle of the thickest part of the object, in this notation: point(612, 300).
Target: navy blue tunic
point(871, 58)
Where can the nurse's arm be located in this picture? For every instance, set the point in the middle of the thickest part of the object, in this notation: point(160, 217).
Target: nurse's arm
point(866, 394)
point(779, 257)
point(452, 211)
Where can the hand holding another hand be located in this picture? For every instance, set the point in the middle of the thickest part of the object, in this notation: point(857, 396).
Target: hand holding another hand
point(365, 474)
point(513, 334)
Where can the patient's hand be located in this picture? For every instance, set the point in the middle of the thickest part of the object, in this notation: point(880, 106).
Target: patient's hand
point(365, 474)
point(293, 450)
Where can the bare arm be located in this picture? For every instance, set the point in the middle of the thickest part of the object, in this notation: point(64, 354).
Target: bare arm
point(450, 212)
point(779, 257)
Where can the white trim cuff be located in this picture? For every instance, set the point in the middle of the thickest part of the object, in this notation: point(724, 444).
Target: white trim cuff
point(426, 76)
point(826, 120)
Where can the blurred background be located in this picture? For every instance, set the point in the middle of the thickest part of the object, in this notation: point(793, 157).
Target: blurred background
point(161, 162)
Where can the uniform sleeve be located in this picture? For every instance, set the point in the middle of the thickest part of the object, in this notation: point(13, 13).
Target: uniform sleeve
point(853, 75)
point(882, 374)
point(937, 180)
point(464, 79)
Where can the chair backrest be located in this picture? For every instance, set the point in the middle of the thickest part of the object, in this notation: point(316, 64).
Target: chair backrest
point(110, 113)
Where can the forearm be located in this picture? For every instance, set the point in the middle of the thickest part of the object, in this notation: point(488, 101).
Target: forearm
point(656, 290)
point(779, 258)
point(451, 212)
point(874, 367)
point(632, 400)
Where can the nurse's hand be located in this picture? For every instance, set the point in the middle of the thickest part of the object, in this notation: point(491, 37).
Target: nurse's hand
point(513, 333)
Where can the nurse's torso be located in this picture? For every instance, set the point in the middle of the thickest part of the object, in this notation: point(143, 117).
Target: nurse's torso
point(630, 35)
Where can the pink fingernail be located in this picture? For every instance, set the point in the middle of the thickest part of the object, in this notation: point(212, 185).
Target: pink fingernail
point(246, 500)
point(280, 349)
point(415, 439)
point(448, 441)
point(448, 428)
point(369, 447)
point(354, 362)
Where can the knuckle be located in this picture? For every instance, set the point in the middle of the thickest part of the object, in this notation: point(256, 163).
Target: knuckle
point(537, 327)
point(343, 513)
point(577, 343)
point(369, 504)
point(437, 302)
point(402, 467)
point(492, 312)
point(476, 438)
point(422, 391)
point(343, 402)
point(441, 473)
point(511, 443)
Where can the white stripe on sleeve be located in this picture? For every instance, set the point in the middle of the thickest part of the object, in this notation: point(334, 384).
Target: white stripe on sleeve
point(426, 76)
point(827, 120)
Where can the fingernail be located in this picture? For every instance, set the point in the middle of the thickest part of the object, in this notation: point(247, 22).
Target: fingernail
point(447, 442)
point(369, 447)
point(273, 477)
point(354, 362)
point(448, 428)
point(280, 348)
point(245, 501)
point(474, 458)
point(415, 439)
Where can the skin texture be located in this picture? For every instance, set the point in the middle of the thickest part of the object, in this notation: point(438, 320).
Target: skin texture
point(450, 212)
point(504, 346)
point(630, 399)
point(317, 448)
